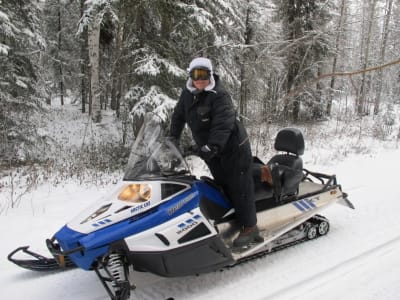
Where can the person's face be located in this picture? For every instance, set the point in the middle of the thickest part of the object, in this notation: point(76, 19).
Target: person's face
point(201, 84)
point(200, 78)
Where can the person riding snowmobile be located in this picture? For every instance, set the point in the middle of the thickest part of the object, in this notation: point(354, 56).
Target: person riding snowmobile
point(207, 108)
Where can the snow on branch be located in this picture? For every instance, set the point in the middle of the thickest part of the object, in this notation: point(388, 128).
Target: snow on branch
point(95, 9)
point(154, 101)
point(152, 66)
point(4, 49)
point(199, 14)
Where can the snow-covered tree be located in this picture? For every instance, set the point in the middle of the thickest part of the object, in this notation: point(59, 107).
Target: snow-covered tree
point(20, 93)
point(93, 19)
point(61, 58)
point(307, 38)
point(156, 42)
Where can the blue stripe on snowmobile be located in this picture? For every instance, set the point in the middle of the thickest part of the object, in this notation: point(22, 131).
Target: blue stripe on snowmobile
point(309, 202)
point(298, 206)
point(304, 204)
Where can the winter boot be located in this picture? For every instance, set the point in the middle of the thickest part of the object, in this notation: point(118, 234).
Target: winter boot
point(247, 236)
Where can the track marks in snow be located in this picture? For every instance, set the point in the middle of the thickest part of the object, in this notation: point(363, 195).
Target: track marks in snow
point(306, 287)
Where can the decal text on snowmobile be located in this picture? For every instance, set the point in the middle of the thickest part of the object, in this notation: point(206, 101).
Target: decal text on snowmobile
point(185, 227)
point(181, 203)
point(140, 206)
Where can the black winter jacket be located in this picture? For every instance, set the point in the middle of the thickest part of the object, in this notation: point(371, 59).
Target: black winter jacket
point(211, 117)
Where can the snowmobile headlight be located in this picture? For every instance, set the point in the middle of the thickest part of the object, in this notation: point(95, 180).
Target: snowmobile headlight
point(135, 193)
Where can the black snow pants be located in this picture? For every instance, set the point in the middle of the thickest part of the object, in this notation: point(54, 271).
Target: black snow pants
point(233, 172)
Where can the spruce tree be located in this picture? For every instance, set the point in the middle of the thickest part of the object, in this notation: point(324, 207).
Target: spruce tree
point(307, 36)
point(21, 43)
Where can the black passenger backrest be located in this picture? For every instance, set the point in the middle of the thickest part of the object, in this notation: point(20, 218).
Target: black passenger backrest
point(291, 141)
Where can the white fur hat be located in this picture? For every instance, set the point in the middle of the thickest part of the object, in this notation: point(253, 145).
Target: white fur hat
point(201, 62)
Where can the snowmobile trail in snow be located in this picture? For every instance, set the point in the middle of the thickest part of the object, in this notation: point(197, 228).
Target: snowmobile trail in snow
point(329, 276)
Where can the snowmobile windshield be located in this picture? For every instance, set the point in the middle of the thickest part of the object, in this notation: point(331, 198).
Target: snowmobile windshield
point(153, 155)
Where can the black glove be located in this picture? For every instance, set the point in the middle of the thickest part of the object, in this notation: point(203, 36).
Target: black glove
point(208, 152)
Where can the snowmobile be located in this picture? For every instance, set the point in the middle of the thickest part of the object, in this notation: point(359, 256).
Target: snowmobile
point(162, 219)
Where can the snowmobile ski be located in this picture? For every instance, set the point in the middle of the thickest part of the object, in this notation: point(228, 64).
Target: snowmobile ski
point(38, 262)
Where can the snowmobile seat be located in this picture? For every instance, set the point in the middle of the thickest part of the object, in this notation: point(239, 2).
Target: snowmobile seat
point(290, 164)
point(262, 190)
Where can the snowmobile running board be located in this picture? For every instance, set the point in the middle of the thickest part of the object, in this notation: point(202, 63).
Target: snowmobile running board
point(302, 233)
point(271, 236)
point(39, 262)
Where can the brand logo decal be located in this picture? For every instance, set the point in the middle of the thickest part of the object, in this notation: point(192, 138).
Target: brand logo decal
point(181, 203)
point(140, 206)
point(188, 224)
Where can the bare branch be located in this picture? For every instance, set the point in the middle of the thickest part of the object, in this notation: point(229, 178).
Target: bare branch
point(302, 87)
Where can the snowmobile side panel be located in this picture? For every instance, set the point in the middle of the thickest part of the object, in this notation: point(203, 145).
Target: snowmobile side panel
point(200, 257)
point(212, 193)
point(212, 203)
point(187, 228)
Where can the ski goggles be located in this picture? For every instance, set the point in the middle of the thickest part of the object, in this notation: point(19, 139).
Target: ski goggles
point(200, 74)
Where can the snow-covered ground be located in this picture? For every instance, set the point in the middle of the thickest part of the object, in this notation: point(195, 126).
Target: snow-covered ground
point(358, 259)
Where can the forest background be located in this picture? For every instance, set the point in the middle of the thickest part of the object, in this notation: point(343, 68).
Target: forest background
point(285, 63)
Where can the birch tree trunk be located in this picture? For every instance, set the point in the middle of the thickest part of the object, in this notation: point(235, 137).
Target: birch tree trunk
point(385, 35)
point(94, 49)
point(114, 104)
